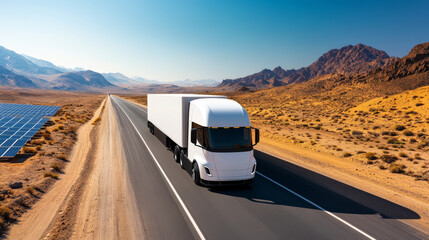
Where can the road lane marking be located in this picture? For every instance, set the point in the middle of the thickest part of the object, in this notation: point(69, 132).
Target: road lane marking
point(200, 234)
point(317, 206)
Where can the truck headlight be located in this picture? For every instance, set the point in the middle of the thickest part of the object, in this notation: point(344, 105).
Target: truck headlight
point(254, 168)
point(207, 171)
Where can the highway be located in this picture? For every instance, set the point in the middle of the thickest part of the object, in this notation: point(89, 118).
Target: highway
point(285, 202)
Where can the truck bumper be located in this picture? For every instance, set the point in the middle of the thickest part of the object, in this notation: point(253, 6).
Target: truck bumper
point(227, 183)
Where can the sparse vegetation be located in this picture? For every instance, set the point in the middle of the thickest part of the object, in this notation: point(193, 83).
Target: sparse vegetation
point(370, 156)
point(56, 167)
point(51, 175)
point(388, 158)
point(397, 168)
point(5, 213)
point(347, 154)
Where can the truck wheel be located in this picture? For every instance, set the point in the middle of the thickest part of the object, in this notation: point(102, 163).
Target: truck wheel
point(196, 174)
point(151, 127)
point(181, 160)
point(177, 153)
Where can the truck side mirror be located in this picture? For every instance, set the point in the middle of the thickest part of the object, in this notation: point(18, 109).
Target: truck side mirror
point(194, 136)
point(256, 136)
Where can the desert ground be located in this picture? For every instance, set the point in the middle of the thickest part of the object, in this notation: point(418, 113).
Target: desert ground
point(44, 159)
point(351, 134)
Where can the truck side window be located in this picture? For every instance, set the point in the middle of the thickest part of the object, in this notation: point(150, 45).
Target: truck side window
point(201, 134)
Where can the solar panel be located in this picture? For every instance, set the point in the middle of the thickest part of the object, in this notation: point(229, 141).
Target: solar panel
point(19, 123)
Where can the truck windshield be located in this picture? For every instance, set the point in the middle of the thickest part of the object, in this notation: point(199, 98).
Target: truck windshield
point(230, 139)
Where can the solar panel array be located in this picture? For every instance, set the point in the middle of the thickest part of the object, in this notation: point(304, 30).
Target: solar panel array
point(19, 123)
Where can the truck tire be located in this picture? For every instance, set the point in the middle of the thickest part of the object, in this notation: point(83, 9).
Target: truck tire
point(151, 127)
point(181, 160)
point(196, 174)
point(177, 153)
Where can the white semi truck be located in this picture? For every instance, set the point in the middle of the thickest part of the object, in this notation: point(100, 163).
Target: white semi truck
point(210, 136)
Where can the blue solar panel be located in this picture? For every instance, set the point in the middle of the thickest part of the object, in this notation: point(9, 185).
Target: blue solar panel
point(19, 123)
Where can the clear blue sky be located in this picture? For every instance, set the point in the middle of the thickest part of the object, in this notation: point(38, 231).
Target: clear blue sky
point(204, 39)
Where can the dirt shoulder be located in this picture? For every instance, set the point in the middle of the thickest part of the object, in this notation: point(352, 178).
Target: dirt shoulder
point(402, 190)
point(107, 209)
point(35, 222)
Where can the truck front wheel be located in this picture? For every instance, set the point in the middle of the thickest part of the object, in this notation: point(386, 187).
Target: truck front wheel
point(196, 174)
point(177, 153)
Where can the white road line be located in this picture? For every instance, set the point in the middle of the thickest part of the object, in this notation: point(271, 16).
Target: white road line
point(200, 234)
point(317, 206)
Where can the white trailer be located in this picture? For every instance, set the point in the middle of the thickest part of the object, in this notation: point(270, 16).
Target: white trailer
point(210, 136)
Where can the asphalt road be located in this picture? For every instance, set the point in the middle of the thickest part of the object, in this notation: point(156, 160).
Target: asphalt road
point(285, 202)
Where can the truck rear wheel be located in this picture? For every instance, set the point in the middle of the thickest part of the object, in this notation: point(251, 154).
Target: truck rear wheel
point(196, 174)
point(177, 153)
point(181, 160)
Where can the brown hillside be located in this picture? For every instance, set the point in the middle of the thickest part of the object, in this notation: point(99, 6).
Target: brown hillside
point(350, 116)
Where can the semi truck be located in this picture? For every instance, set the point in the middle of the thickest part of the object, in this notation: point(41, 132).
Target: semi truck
point(210, 136)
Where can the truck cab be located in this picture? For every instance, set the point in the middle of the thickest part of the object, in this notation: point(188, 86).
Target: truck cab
point(210, 136)
point(220, 145)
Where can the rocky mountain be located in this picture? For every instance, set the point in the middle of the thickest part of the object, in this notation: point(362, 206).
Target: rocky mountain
point(19, 64)
point(10, 79)
point(409, 72)
point(349, 60)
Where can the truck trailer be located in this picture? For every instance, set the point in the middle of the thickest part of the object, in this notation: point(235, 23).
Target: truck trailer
point(210, 136)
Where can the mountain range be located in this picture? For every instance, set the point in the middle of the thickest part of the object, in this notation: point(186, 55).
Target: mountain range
point(350, 64)
point(18, 70)
point(349, 60)
point(124, 81)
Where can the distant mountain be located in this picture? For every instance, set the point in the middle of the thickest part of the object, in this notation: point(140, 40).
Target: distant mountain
point(118, 78)
point(78, 81)
point(144, 80)
point(10, 79)
point(194, 83)
point(43, 63)
point(19, 64)
point(349, 60)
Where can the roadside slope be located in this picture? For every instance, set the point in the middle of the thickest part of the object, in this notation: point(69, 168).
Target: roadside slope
point(36, 221)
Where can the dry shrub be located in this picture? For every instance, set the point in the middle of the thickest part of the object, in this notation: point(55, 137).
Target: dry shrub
point(5, 213)
point(62, 156)
point(408, 133)
point(388, 158)
point(46, 135)
point(61, 127)
point(30, 190)
point(30, 150)
point(2, 226)
point(347, 154)
point(37, 142)
point(56, 167)
point(370, 156)
point(399, 127)
point(397, 168)
point(50, 174)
